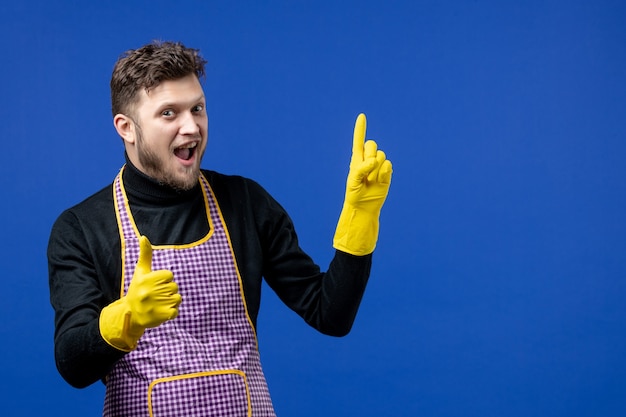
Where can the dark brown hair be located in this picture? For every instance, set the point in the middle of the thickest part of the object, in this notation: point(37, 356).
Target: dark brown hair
point(148, 66)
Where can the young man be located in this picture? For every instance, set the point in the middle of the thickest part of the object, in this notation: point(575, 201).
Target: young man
point(156, 279)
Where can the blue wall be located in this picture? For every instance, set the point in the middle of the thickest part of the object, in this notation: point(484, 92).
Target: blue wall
point(498, 286)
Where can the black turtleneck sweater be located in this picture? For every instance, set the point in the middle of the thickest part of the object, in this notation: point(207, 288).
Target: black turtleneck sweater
point(85, 263)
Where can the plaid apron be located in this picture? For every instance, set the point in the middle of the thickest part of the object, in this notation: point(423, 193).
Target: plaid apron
point(206, 361)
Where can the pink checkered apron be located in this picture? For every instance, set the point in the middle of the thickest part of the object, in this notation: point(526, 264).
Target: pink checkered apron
point(206, 361)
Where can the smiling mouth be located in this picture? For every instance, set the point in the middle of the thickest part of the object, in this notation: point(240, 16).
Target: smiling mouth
point(186, 152)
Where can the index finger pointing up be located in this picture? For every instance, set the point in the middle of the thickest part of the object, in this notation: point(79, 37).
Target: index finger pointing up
point(359, 137)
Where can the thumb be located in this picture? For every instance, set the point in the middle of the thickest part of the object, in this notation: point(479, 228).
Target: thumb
point(144, 263)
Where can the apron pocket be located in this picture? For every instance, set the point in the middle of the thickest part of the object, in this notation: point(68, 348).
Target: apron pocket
point(216, 393)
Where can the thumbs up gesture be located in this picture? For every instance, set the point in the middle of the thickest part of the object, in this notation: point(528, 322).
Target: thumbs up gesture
point(152, 299)
point(152, 296)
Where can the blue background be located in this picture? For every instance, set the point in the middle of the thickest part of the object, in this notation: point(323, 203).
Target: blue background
point(498, 286)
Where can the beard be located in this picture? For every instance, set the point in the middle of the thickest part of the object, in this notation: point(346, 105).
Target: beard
point(155, 167)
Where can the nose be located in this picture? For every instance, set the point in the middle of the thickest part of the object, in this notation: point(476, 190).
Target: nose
point(189, 124)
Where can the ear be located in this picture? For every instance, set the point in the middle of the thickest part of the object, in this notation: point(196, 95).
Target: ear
point(125, 128)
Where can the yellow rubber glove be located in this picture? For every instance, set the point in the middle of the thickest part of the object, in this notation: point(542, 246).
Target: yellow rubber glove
point(366, 190)
point(152, 298)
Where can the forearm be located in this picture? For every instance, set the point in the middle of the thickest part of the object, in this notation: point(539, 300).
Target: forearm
point(79, 289)
point(327, 301)
point(340, 294)
point(82, 356)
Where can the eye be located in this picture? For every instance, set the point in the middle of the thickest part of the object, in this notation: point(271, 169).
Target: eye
point(197, 109)
point(167, 113)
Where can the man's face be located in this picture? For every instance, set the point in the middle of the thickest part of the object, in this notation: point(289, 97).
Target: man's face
point(170, 132)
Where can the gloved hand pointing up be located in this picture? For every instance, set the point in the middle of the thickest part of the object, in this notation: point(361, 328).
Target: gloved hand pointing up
point(366, 190)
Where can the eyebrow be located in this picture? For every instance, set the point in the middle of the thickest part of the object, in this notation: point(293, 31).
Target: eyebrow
point(175, 104)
